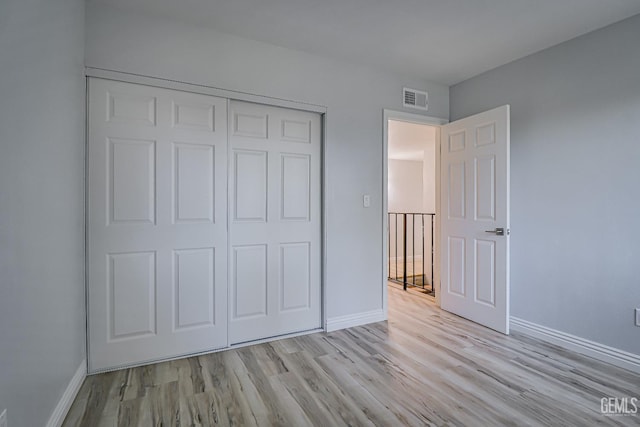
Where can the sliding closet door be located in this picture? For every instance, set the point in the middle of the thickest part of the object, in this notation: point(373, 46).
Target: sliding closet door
point(274, 200)
point(157, 223)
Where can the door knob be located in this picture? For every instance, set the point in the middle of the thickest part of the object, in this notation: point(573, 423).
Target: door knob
point(497, 231)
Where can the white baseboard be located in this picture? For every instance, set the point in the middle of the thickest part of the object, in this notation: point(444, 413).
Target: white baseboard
point(63, 406)
point(351, 320)
point(589, 348)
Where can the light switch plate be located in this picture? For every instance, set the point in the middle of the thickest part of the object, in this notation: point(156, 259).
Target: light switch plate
point(366, 201)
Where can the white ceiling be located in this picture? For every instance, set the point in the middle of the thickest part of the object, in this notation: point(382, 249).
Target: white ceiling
point(446, 41)
point(408, 141)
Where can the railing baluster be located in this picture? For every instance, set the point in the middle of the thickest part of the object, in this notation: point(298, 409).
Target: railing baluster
point(389, 246)
point(423, 257)
point(432, 249)
point(396, 239)
point(404, 250)
point(413, 249)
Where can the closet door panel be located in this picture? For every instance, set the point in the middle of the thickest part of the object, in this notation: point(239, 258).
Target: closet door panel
point(157, 223)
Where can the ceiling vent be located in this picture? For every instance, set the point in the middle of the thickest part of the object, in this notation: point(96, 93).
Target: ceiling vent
point(413, 98)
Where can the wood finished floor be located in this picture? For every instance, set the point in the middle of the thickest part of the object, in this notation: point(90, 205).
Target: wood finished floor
point(423, 367)
point(396, 270)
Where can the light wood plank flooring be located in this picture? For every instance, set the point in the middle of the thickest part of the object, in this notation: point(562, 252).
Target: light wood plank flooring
point(423, 367)
point(413, 289)
point(396, 270)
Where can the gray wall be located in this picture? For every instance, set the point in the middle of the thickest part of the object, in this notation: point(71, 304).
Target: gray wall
point(354, 96)
point(575, 176)
point(41, 204)
point(405, 186)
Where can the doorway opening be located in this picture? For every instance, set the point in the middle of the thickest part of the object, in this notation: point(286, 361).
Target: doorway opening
point(411, 205)
point(411, 192)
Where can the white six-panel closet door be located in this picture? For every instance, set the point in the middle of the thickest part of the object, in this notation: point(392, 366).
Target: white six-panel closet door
point(157, 223)
point(275, 224)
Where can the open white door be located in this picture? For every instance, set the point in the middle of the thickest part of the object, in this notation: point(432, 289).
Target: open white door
point(474, 178)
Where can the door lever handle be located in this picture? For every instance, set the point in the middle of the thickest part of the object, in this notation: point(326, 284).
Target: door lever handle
point(498, 231)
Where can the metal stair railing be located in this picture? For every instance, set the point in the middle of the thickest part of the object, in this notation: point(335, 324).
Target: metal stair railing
point(403, 236)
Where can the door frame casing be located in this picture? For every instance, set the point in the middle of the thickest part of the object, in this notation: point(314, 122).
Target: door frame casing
point(162, 83)
point(436, 122)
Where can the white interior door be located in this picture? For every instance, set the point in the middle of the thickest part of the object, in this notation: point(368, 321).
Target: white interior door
point(474, 178)
point(275, 240)
point(157, 218)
